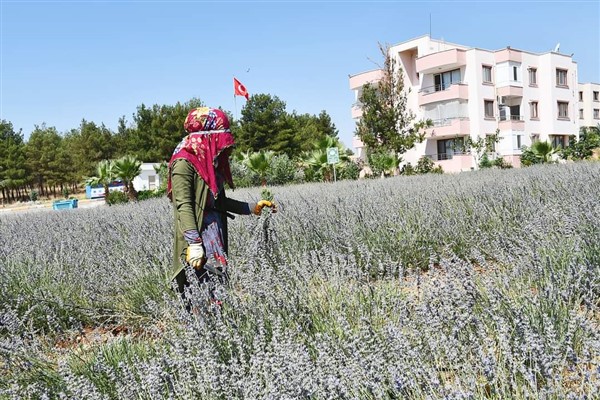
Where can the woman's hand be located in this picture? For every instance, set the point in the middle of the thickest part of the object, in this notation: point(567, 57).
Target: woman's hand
point(194, 255)
point(264, 203)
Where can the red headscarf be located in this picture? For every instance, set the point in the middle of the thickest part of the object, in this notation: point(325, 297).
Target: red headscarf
point(207, 141)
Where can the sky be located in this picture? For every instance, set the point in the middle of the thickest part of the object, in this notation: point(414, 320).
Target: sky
point(64, 61)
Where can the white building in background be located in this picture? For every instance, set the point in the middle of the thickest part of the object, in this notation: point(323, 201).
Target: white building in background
point(589, 104)
point(474, 92)
point(148, 179)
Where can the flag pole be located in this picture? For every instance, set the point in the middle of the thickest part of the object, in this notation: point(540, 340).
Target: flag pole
point(234, 99)
point(235, 105)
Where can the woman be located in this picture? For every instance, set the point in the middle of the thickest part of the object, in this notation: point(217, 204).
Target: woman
point(198, 170)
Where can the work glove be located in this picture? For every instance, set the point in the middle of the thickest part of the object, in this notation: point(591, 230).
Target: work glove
point(264, 203)
point(194, 255)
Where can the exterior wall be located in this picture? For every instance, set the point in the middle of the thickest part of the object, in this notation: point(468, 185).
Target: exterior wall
point(144, 180)
point(550, 94)
point(458, 109)
point(588, 104)
point(480, 91)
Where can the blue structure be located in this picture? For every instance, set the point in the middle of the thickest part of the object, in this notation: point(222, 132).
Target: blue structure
point(97, 192)
point(64, 204)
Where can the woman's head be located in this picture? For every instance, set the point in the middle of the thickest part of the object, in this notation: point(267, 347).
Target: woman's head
point(205, 119)
point(207, 146)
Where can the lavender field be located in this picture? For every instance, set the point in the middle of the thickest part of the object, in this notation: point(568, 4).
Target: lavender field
point(483, 285)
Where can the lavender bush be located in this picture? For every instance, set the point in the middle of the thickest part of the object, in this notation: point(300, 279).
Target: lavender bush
point(483, 285)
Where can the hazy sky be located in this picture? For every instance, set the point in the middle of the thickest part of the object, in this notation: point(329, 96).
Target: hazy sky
point(62, 61)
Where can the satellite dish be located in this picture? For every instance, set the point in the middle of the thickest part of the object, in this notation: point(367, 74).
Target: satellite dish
point(557, 47)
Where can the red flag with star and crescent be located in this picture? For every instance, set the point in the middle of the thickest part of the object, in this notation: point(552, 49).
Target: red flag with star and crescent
point(239, 89)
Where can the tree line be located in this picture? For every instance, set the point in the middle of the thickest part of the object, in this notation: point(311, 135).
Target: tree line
point(51, 162)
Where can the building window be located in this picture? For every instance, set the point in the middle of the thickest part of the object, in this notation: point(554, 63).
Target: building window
point(595, 96)
point(561, 77)
point(487, 74)
point(533, 76)
point(558, 141)
point(444, 80)
point(533, 110)
point(581, 113)
point(535, 137)
point(488, 106)
point(563, 110)
point(596, 113)
point(518, 141)
point(515, 73)
point(580, 96)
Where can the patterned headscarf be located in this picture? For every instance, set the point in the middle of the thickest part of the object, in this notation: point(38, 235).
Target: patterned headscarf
point(205, 145)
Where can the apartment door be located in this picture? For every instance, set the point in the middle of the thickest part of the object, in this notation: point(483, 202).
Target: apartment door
point(151, 182)
point(502, 113)
point(448, 147)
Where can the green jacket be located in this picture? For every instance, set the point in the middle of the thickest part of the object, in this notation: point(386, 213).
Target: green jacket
point(189, 195)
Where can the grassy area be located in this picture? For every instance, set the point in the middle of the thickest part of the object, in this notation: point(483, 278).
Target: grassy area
point(482, 285)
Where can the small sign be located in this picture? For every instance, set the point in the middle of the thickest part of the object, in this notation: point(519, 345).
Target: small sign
point(333, 156)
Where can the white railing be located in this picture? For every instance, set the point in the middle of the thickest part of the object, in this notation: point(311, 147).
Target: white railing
point(511, 118)
point(444, 156)
point(447, 121)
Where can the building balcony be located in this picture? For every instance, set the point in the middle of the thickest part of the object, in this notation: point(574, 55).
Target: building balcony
point(440, 61)
point(508, 54)
point(449, 127)
point(510, 91)
point(356, 110)
point(511, 122)
point(453, 162)
point(357, 81)
point(437, 93)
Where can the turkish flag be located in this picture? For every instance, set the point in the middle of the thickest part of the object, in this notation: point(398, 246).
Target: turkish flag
point(239, 89)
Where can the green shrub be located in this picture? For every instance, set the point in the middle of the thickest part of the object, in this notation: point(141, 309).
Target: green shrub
point(116, 197)
point(383, 162)
point(281, 171)
point(151, 194)
point(528, 157)
point(163, 171)
point(485, 162)
point(425, 165)
point(33, 195)
point(349, 170)
point(242, 175)
point(501, 163)
point(408, 169)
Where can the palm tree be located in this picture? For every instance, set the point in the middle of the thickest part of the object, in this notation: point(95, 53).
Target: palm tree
point(327, 142)
point(316, 159)
point(127, 168)
point(105, 175)
point(259, 162)
point(386, 162)
point(543, 151)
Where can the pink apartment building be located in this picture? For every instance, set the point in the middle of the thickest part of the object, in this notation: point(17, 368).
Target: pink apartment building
point(473, 92)
point(589, 104)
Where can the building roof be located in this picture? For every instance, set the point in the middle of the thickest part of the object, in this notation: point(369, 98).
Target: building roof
point(466, 47)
